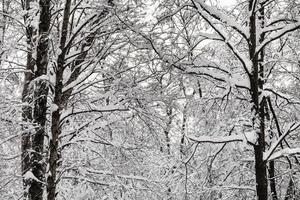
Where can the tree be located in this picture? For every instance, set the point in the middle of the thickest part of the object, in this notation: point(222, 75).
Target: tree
point(149, 99)
point(35, 93)
point(258, 34)
point(247, 41)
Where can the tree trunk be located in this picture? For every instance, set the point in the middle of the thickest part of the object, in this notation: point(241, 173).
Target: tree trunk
point(56, 115)
point(167, 132)
point(3, 24)
point(272, 180)
point(258, 107)
point(27, 109)
point(61, 98)
point(36, 109)
point(290, 192)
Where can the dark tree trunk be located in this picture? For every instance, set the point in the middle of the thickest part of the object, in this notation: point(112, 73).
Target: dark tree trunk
point(61, 98)
point(272, 180)
point(56, 115)
point(27, 109)
point(183, 128)
point(36, 108)
point(258, 107)
point(167, 132)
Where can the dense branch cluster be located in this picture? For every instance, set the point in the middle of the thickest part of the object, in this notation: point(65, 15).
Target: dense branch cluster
point(168, 99)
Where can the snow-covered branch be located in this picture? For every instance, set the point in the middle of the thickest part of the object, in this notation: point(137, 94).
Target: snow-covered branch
point(222, 17)
point(276, 35)
point(284, 152)
point(270, 155)
point(207, 15)
point(95, 109)
point(139, 178)
point(249, 136)
point(223, 139)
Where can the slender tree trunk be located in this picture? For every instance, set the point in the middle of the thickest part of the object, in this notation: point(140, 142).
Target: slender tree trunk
point(272, 180)
point(167, 130)
point(27, 108)
point(183, 128)
point(40, 99)
point(5, 6)
point(290, 192)
point(168, 141)
point(184, 120)
point(35, 96)
point(258, 108)
point(56, 115)
point(61, 98)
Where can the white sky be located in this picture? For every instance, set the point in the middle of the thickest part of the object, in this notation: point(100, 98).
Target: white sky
point(227, 3)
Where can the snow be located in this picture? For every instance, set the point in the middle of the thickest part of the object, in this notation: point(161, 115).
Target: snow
point(238, 80)
point(251, 137)
point(79, 80)
point(231, 79)
point(54, 107)
point(221, 139)
point(59, 51)
point(30, 175)
point(131, 176)
point(42, 78)
point(275, 35)
point(283, 152)
point(222, 17)
point(270, 155)
point(207, 12)
point(67, 74)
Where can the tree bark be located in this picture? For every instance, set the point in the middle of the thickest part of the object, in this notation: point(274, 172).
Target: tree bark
point(34, 96)
point(27, 109)
point(272, 180)
point(258, 107)
point(56, 115)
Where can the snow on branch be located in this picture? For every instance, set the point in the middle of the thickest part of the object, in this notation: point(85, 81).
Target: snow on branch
point(276, 35)
point(220, 75)
point(174, 12)
point(250, 137)
point(284, 152)
point(217, 140)
point(94, 109)
point(270, 155)
point(271, 26)
point(139, 178)
point(30, 176)
point(222, 17)
point(93, 181)
point(225, 38)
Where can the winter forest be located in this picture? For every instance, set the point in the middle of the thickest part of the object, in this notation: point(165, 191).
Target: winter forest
point(149, 100)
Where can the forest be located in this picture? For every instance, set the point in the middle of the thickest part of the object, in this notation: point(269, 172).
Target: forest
point(149, 100)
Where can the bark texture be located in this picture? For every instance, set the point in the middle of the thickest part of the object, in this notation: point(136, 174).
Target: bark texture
point(256, 83)
point(56, 115)
point(34, 97)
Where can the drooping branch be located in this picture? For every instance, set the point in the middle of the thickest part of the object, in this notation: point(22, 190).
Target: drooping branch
point(223, 18)
point(248, 137)
point(278, 34)
point(270, 155)
point(206, 15)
